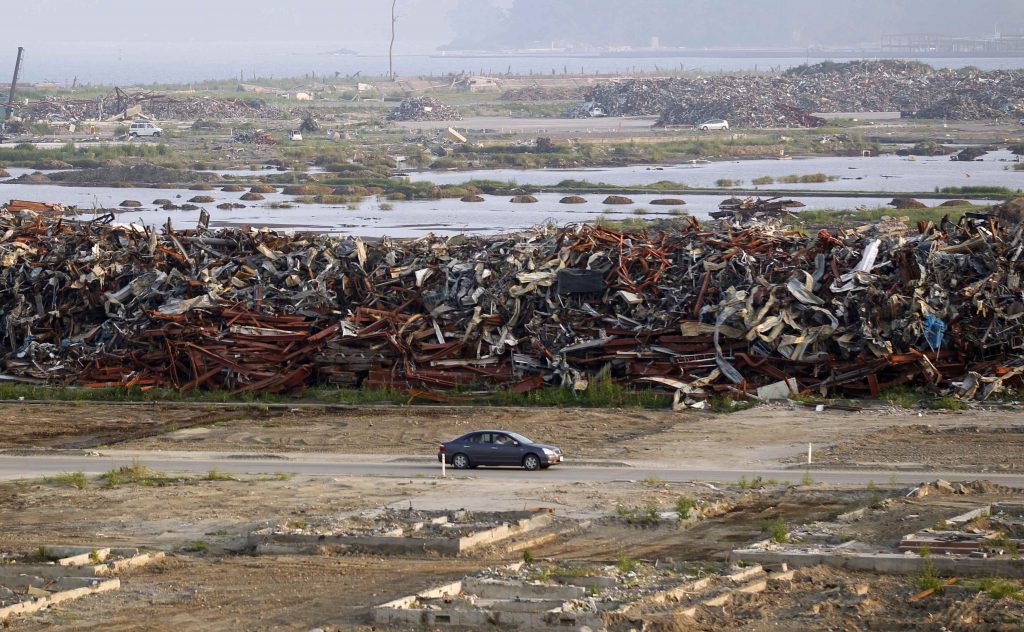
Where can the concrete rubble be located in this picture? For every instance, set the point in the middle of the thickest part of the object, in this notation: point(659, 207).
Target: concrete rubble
point(982, 542)
point(400, 532)
point(56, 574)
point(573, 596)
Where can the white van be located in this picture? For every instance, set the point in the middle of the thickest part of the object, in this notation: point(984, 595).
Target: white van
point(143, 128)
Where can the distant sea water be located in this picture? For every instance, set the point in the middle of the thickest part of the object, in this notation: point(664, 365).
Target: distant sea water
point(140, 63)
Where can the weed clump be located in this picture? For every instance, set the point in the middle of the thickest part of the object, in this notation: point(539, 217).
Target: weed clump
point(74, 479)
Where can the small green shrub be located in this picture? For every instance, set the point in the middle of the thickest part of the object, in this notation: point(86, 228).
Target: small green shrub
point(684, 506)
point(627, 565)
point(928, 578)
point(776, 530)
point(652, 513)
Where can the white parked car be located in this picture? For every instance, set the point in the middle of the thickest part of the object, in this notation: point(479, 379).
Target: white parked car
point(714, 124)
point(143, 128)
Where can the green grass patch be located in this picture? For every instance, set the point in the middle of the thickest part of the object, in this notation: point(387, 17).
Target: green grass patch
point(73, 479)
point(1000, 588)
point(727, 404)
point(135, 474)
point(980, 190)
point(214, 475)
point(947, 402)
point(849, 218)
point(647, 515)
point(196, 547)
point(901, 396)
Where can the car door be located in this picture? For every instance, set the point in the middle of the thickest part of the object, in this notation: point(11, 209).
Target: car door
point(475, 448)
point(506, 451)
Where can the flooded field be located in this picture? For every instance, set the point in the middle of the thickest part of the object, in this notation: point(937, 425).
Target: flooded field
point(890, 174)
point(879, 178)
point(375, 217)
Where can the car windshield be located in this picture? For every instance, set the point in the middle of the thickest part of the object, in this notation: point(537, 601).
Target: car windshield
point(520, 438)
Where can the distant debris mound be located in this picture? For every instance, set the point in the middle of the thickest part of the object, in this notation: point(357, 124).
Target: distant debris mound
point(904, 204)
point(1012, 211)
point(424, 109)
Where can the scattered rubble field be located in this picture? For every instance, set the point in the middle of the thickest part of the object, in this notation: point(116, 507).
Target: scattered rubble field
point(929, 447)
point(206, 582)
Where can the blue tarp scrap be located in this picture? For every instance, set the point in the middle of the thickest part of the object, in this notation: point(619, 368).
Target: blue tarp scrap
point(934, 331)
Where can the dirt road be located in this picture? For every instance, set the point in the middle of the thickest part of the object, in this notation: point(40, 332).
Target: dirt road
point(763, 437)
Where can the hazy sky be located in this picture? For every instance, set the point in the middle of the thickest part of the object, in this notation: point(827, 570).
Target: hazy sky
point(152, 41)
point(361, 25)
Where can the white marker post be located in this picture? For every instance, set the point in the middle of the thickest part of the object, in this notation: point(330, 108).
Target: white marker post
point(444, 473)
point(808, 454)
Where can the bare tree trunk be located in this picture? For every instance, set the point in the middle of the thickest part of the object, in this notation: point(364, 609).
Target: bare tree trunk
point(391, 48)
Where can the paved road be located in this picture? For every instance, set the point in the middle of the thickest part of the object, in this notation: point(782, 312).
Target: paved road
point(507, 125)
point(37, 466)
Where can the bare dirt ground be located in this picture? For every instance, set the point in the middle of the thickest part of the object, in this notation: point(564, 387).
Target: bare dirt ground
point(990, 439)
point(931, 446)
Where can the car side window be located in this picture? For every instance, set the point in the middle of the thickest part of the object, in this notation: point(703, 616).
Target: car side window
point(473, 438)
point(485, 437)
point(503, 439)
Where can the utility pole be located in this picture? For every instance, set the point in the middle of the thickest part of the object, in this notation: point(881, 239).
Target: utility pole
point(14, 85)
point(391, 48)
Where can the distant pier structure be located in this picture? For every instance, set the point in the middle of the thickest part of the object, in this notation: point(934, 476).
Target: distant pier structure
point(934, 44)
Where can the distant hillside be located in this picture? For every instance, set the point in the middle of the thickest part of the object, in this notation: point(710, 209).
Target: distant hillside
point(712, 23)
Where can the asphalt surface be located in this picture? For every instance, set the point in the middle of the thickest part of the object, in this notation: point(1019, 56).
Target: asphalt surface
point(28, 466)
point(538, 125)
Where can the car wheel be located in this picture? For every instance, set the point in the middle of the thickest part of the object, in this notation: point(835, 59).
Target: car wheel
point(460, 462)
point(704, 129)
point(157, 134)
point(531, 462)
point(133, 135)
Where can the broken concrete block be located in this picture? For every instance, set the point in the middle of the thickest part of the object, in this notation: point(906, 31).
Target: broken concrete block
point(779, 390)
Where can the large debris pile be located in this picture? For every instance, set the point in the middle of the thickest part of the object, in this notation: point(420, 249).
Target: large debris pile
point(424, 109)
point(254, 137)
point(788, 100)
point(696, 309)
point(542, 93)
point(152, 104)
